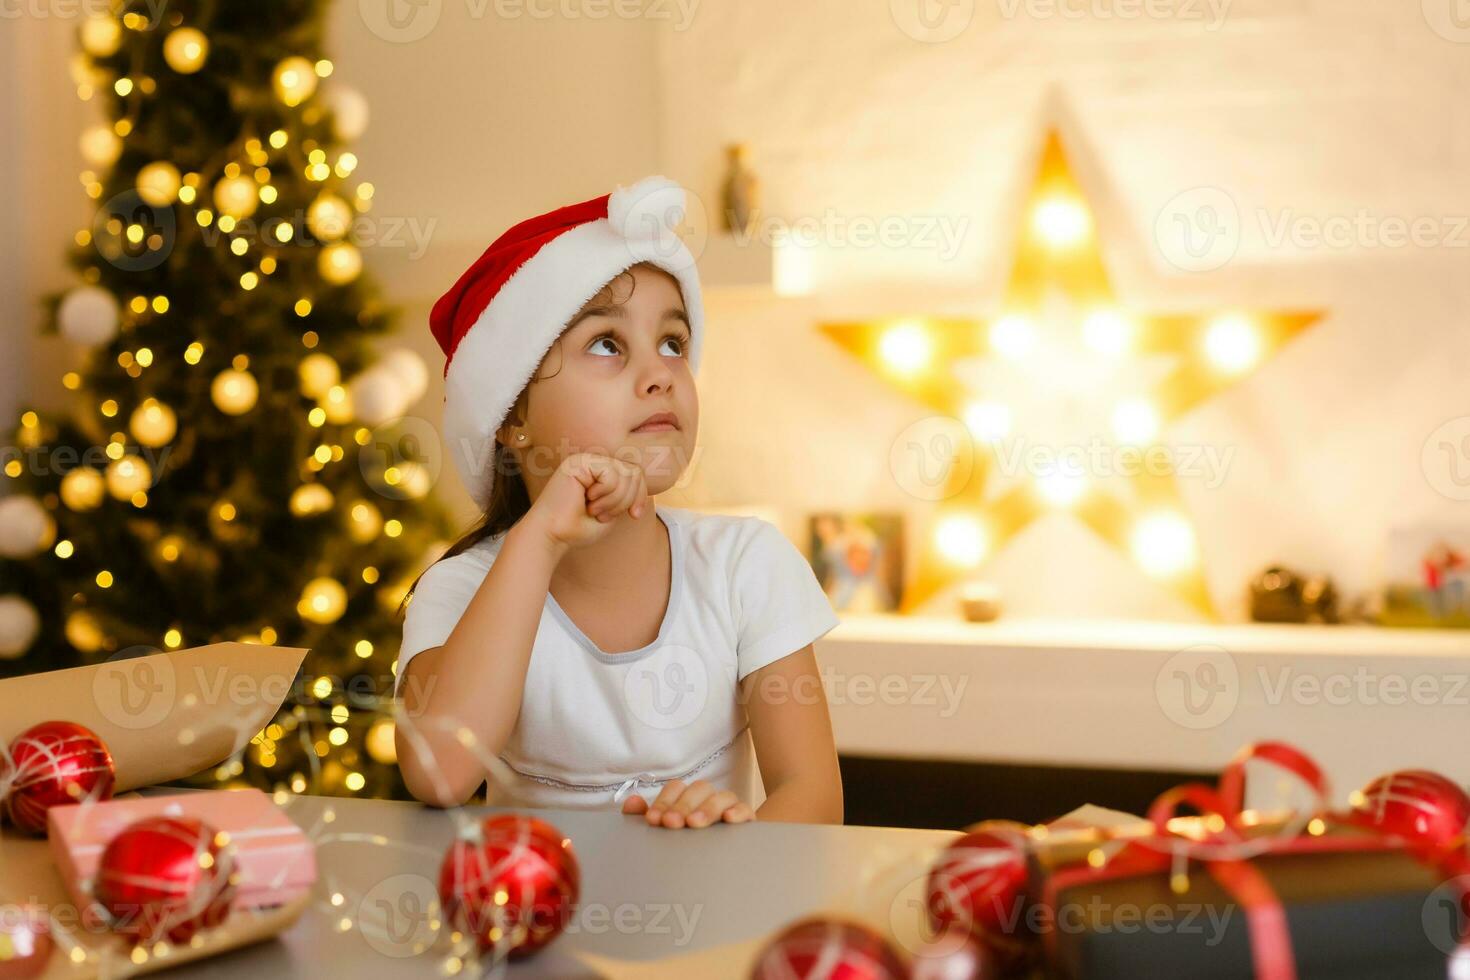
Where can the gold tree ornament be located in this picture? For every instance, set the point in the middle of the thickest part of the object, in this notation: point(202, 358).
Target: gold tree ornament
point(159, 183)
point(234, 392)
point(364, 521)
point(100, 146)
point(340, 264)
point(323, 601)
point(128, 476)
point(186, 49)
point(311, 499)
point(329, 217)
point(83, 489)
point(83, 633)
point(380, 742)
point(318, 373)
point(1058, 375)
point(294, 80)
point(153, 423)
point(101, 35)
point(237, 197)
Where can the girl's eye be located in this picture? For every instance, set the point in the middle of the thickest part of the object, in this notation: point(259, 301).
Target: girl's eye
point(604, 339)
point(678, 343)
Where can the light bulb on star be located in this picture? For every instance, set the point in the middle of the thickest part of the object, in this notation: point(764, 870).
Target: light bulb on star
point(905, 347)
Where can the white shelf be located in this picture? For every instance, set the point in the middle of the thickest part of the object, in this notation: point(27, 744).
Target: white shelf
point(1125, 635)
point(1361, 700)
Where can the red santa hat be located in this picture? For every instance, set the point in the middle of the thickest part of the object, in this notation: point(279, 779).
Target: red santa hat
point(498, 321)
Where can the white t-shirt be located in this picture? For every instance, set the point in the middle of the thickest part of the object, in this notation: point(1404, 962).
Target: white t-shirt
point(595, 727)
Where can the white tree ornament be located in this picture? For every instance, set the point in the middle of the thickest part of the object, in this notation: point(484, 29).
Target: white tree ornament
point(19, 624)
point(88, 315)
point(25, 527)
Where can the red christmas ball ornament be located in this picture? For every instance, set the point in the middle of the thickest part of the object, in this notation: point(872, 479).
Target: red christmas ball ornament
point(512, 884)
point(52, 764)
point(166, 877)
point(1415, 804)
point(977, 882)
point(25, 942)
point(820, 948)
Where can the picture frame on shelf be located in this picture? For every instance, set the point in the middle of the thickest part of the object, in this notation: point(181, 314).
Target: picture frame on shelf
point(858, 559)
point(1428, 580)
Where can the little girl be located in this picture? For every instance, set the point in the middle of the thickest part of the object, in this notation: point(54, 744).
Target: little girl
point(610, 652)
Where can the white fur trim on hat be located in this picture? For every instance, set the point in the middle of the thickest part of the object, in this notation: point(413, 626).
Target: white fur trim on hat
point(498, 356)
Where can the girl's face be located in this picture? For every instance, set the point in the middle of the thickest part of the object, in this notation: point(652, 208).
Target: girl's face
point(623, 358)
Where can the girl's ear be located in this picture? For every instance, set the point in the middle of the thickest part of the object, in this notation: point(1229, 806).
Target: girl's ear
point(506, 434)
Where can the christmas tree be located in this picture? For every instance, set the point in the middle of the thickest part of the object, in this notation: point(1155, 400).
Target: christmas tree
point(235, 464)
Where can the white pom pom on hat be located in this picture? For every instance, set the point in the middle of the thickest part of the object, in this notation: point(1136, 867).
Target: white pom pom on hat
point(651, 208)
point(503, 314)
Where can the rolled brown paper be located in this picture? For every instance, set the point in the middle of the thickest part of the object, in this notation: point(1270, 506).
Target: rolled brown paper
point(163, 716)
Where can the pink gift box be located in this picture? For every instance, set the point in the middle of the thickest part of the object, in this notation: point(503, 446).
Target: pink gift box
point(275, 859)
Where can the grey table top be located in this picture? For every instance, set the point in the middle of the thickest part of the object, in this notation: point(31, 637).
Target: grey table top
point(647, 892)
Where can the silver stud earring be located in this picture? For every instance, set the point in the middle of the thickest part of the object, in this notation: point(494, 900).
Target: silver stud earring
point(521, 437)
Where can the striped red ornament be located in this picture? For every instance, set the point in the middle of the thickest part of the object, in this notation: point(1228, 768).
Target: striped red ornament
point(513, 884)
point(1415, 804)
point(53, 764)
point(819, 948)
point(166, 878)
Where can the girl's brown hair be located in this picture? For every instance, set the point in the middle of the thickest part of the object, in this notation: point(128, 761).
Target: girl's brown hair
point(509, 498)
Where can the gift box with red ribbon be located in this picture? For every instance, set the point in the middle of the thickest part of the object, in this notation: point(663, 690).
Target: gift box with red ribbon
point(1230, 893)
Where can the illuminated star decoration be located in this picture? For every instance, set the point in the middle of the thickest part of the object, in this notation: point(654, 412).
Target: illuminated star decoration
point(1061, 376)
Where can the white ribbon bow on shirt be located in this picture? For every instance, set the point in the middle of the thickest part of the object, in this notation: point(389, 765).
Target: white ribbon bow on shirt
point(629, 785)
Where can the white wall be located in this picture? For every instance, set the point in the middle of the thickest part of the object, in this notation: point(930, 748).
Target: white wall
point(42, 120)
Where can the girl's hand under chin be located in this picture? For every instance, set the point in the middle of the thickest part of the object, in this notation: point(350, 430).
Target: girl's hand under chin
point(584, 496)
point(699, 804)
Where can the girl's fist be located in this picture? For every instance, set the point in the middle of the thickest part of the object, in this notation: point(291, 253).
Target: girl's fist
point(696, 805)
point(584, 495)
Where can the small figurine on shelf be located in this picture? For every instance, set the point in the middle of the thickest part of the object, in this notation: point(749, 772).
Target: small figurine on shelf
point(740, 195)
point(1280, 595)
point(980, 601)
